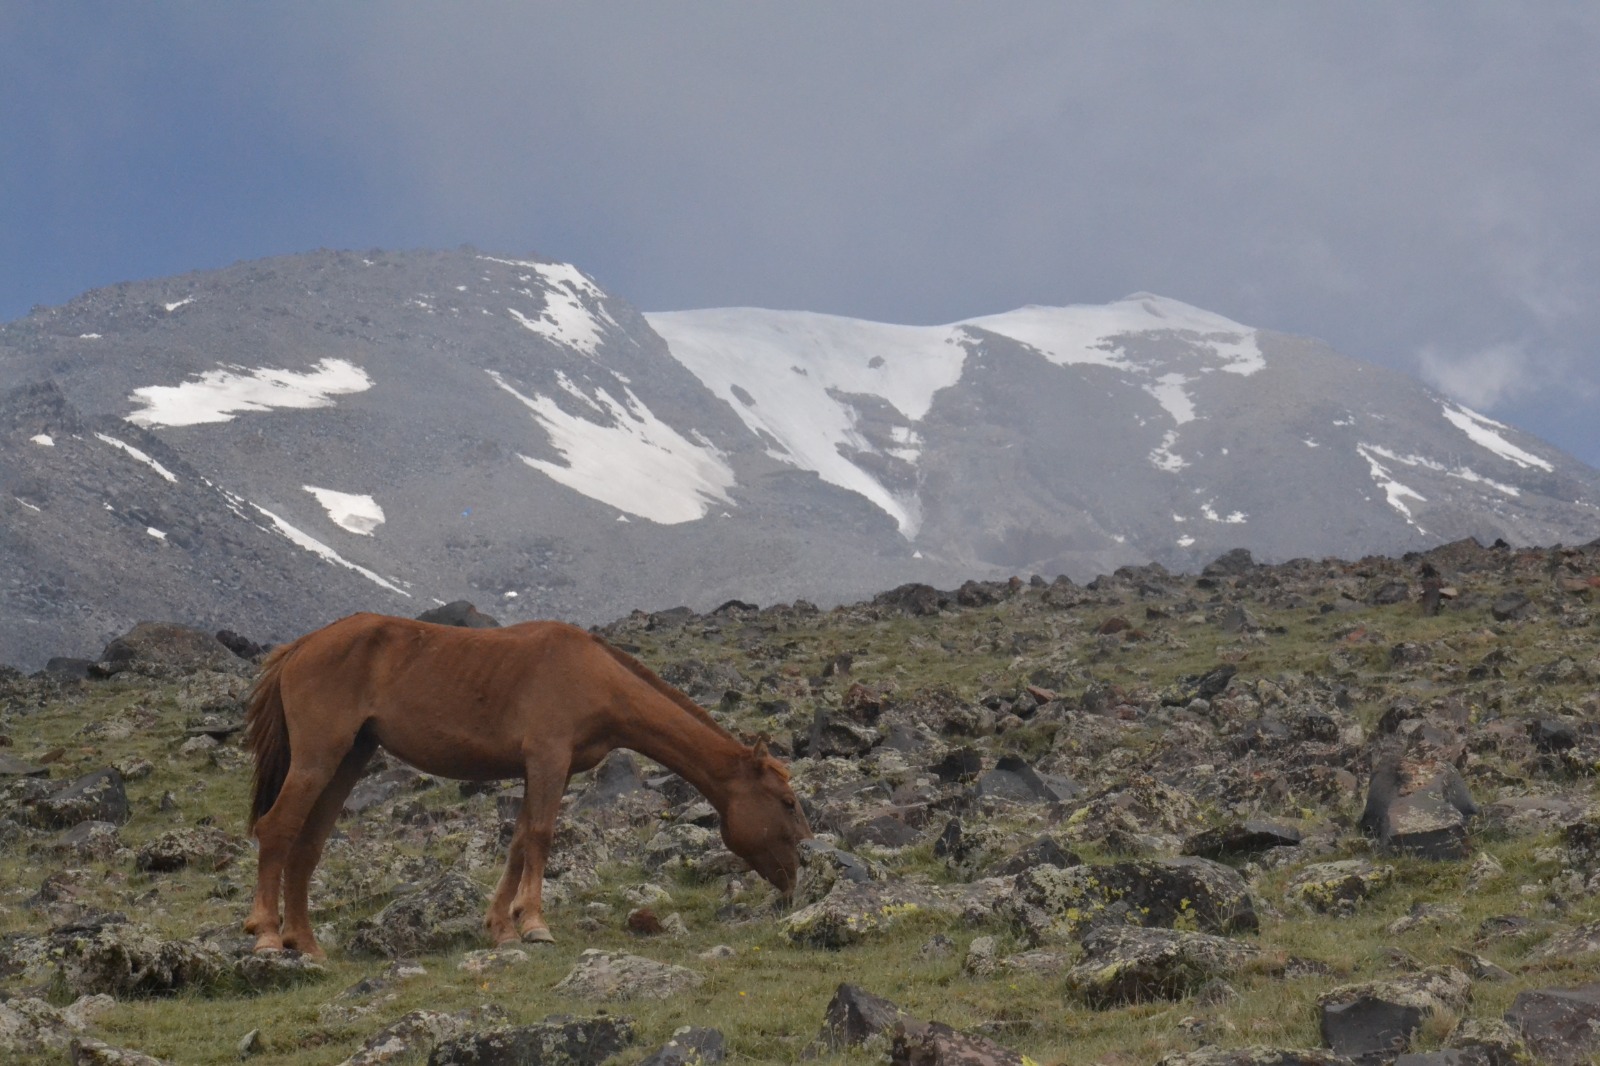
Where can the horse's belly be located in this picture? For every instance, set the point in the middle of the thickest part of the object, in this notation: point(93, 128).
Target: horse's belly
point(457, 756)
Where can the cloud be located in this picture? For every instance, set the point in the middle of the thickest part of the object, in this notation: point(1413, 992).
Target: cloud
point(1483, 379)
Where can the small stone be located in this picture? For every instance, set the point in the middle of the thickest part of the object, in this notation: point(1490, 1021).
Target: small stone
point(250, 1044)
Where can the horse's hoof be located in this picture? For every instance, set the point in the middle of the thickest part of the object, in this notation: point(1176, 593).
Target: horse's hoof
point(268, 943)
point(537, 935)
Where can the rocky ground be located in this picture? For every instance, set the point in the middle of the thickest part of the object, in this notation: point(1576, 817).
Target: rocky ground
point(1321, 812)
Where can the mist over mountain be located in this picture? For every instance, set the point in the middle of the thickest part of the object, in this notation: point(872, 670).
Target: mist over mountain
point(272, 445)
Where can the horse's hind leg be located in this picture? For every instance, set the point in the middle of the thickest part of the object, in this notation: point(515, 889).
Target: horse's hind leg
point(278, 829)
point(307, 849)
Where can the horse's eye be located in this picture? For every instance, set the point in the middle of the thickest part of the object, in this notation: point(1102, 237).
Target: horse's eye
point(788, 801)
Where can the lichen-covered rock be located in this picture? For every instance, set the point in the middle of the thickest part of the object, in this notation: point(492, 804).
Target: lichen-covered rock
point(439, 915)
point(166, 650)
point(419, 1030)
point(1369, 1022)
point(556, 1041)
point(1337, 887)
point(178, 848)
point(1254, 1056)
point(616, 975)
point(691, 1045)
point(1157, 892)
point(272, 970)
point(852, 912)
point(1488, 1042)
point(98, 1053)
point(123, 961)
point(1142, 809)
point(31, 1026)
point(1130, 965)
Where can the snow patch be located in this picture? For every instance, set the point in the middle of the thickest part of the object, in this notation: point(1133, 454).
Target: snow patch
point(1164, 458)
point(1169, 393)
point(564, 319)
point(1484, 432)
point(185, 302)
point(156, 533)
point(44, 440)
point(348, 511)
point(88, 336)
point(25, 503)
point(315, 546)
point(637, 463)
point(792, 365)
point(220, 394)
point(1185, 541)
point(1462, 473)
point(1393, 490)
point(139, 455)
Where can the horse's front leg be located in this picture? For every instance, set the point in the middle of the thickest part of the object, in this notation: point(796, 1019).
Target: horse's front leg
point(536, 827)
point(502, 927)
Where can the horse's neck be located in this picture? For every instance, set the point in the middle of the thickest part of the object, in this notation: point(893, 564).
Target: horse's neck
point(694, 749)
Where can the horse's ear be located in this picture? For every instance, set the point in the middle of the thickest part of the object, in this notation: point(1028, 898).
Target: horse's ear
point(758, 751)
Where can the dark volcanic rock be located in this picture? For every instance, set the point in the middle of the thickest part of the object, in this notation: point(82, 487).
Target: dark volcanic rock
point(1254, 1056)
point(1240, 838)
point(459, 613)
point(1373, 1022)
point(854, 1016)
point(97, 797)
point(1419, 806)
point(1014, 780)
point(1561, 1025)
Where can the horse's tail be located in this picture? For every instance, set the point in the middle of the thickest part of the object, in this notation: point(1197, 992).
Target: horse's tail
point(267, 734)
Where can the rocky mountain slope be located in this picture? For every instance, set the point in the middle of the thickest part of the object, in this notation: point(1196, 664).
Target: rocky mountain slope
point(293, 439)
point(1313, 813)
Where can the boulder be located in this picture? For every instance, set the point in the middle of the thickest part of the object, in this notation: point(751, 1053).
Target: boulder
point(691, 1045)
point(95, 797)
point(178, 848)
point(1561, 1025)
point(1337, 887)
point(420, 1030)
point(33, 1027)
point(1419, 806)
point(557, 1041)
point(1155, 892)
point(166, 650)
point(616, 975)
point(853, 1017)
point(1239, 839)
point(87, 1052)
point(1254, 1056)
point(1014, 781)
point(1372, 1022)
point(458, 613)
point(439, 915)
point(852, 912)
point(125, 961)
point(936, 1044)
point(1124, 965)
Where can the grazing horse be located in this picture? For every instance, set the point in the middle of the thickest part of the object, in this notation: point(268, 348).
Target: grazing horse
point(540, 701)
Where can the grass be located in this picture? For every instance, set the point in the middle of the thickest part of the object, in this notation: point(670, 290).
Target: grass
point(768, 999)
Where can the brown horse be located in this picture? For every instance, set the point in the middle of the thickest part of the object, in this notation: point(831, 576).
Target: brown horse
point(540, 701)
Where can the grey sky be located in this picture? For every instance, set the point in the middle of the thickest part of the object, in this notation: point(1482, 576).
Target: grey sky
point(1414, 183)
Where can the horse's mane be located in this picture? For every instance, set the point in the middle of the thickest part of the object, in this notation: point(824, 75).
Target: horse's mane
point(676, 695)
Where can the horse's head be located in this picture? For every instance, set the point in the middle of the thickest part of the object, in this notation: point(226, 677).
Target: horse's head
point(763, 823)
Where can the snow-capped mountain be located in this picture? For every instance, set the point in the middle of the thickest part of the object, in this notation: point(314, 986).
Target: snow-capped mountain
point(271, 445)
